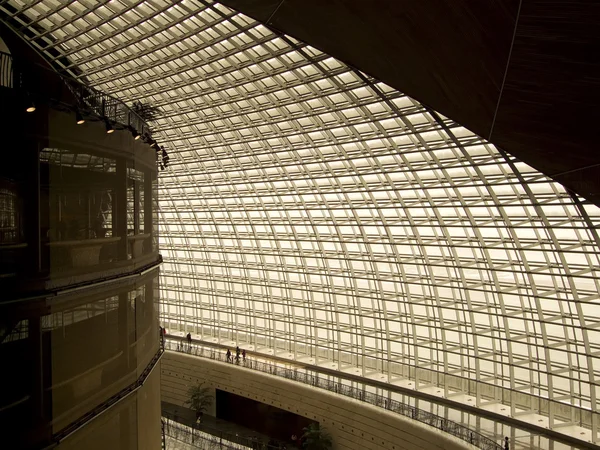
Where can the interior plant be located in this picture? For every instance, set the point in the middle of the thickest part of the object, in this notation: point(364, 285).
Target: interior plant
point(200, 399)
point(146, 111)
point(316, 438)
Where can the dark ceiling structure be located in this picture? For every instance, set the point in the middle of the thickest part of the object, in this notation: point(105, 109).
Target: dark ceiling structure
point(523, 74)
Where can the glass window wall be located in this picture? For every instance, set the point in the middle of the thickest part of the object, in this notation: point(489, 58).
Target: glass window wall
point(71, 352)
point(80, 210)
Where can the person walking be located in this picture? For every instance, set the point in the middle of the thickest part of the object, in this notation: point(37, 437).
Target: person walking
point(244, 355)
point(188, 340)
point(228, 355)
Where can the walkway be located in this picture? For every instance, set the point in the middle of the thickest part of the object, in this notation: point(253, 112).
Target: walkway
point(325, 378)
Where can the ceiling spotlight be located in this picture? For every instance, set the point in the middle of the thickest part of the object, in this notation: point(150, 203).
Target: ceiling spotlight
point(136, 135)
point(79, 118)
point(109, 128)
point(30, 106)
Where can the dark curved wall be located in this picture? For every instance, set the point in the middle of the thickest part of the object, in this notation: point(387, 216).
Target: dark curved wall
point(78, 321)
point(523, 74)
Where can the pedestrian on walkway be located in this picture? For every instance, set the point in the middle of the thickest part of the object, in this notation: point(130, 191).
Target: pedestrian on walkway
point(228, 355)
point(244, 355)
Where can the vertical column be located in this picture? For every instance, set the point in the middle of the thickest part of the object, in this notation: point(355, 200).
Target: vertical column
point(123, 322)
point(41, 406)
point(148, 213)
point(136, 207)
point(152, 309)
point(31, 208)
point(121, 208)
point(87, 194)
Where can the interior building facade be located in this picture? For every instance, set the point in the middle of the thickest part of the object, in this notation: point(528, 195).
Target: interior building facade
point(307, 211)
point(78, 265)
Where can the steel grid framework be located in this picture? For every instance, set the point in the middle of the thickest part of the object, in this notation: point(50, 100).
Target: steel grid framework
point(313, 211)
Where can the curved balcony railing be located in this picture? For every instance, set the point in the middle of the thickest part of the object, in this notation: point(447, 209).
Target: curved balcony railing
point(41, 84)
point(426, 417)
point(206, 437)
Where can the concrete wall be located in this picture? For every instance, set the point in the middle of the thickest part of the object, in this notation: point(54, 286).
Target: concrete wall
point(352, 424)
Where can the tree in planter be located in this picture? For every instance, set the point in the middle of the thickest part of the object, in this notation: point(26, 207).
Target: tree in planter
point(200, 399)
point(316, 438)
point(146, 111)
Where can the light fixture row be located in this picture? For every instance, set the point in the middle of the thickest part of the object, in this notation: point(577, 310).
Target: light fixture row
point(80, 120)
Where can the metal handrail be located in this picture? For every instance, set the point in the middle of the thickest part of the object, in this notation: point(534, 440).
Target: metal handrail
point(426, 417)
point(197, 439)
point(67, 92)
point(198, 432)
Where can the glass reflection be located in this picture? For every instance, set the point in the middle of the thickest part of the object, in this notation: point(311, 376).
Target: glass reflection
point(79, 349)
point(81, 212)
point(12, 242)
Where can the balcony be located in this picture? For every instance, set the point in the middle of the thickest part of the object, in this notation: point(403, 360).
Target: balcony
point(76, 203)
point(37, 85)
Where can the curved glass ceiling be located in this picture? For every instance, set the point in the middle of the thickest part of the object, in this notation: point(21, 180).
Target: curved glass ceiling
point(312, 211)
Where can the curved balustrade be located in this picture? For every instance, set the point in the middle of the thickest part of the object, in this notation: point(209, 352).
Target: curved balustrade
point(441, 423)
point(206, 437)
point(45, 85)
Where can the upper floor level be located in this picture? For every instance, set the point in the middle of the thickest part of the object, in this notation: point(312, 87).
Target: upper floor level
point(78, 188)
